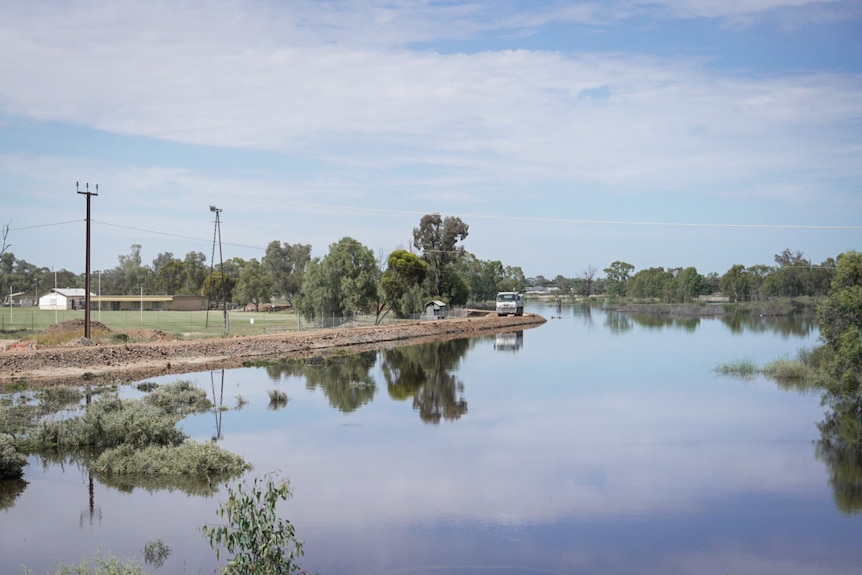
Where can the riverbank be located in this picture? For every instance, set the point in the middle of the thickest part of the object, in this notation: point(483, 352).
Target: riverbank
point(107, 363)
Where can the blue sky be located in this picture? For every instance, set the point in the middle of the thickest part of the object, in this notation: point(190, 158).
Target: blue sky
point(566, 134)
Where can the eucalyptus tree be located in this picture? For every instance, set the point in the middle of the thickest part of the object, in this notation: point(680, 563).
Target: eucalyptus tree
point(618, 274)
point(401, 283)
point(437, 237)
point(254, 285)
point(344, 282)
point(840, 319)
point(196, 272)
point(285, 264)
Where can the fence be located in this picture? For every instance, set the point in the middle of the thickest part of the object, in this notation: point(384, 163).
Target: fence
point(19, 323)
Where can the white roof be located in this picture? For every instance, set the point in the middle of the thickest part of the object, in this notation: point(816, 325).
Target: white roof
point(71, 292)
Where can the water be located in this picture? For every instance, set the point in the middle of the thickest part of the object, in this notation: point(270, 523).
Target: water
point(592, 444)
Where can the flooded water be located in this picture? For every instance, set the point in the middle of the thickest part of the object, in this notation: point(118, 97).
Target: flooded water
point(593, 444)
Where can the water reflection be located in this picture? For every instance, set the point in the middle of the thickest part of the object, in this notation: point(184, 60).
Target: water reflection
point(423, 373)
point(802, 324)
point(218, 404)
point(344, 379)
point(10, 490)
point(840, 448)
point(512, 341)
point(618, 322)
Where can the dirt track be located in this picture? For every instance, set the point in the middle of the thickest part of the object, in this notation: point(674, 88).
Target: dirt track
point(129, 362)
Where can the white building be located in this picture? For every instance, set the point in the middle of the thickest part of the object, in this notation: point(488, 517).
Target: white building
point(69, 298)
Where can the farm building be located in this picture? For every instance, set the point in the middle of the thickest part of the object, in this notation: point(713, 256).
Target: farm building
point(73, 298)
point(59, 299)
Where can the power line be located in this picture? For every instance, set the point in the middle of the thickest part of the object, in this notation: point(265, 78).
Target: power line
point(207, 240)
point(44, 225)
point(581, 221)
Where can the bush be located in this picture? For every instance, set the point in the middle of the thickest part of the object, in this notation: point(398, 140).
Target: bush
point(180, 398)
point(111, 422)
point(261, 542)
point(192, 459)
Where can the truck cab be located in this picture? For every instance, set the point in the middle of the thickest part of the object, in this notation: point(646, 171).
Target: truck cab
point(510, 302)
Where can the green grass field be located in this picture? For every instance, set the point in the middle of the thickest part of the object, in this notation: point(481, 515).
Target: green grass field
point(21, 322)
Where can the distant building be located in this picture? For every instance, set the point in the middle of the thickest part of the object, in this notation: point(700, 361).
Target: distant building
point(74, 299)
point(436, 309)
point(68, 298)
point(149, 302)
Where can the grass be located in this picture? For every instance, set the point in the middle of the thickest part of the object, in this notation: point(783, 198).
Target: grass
point(277, 399)
point(25, 323)
point(743, 368)
point(191, 458)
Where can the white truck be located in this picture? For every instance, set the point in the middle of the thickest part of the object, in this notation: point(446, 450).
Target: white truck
point(510, 302)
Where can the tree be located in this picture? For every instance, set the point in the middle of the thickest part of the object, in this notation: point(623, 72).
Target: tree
point(618, 275)
point(589, 275)
point(840, 318)
point(254, 284)
point(650, 283)
point(195, 272)
point(170, 278)
point(218, 287)
point(436, 237)
point(402, 281)
point(735, 284)
point(130, 273)
point(513, 279)
point(286, 265)
point(791, 277)
point(343, 282)
point(689, 285)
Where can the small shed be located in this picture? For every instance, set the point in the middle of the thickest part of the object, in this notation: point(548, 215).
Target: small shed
point(436, 309)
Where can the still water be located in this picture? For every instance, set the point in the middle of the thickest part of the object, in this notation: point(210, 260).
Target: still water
point(593, 444)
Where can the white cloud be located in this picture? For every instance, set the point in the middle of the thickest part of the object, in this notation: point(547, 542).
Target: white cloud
point(229, 78)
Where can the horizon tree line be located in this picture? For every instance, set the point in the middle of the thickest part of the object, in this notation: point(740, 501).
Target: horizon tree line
point(351, 279)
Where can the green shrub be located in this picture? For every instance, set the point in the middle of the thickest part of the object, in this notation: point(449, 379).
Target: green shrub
point(180, 398)
point(260, 542)
point(111, 422)
point(191, 458)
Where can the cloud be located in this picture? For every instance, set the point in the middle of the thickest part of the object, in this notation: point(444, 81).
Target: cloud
point(231, 78)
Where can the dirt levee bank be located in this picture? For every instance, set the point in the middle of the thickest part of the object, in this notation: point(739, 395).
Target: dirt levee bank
point(106, 363)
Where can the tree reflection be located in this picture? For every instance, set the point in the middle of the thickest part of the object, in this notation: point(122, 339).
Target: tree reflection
point(345, 379)
point(10, 490)
point(423, 372)
point(618, 322)
point(840, 448)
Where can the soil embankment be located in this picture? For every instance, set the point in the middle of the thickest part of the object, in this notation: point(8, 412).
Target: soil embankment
point(100, 363)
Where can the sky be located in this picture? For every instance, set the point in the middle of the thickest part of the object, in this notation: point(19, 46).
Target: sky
point(566, 134)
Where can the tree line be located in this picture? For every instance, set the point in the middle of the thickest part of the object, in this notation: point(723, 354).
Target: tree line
point(350, 278)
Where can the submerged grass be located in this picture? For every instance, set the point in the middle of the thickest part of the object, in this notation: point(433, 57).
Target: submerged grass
point(132, 442)
point(188, 459)
point(805, 373)
point(179, 398)
point(743, 368)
